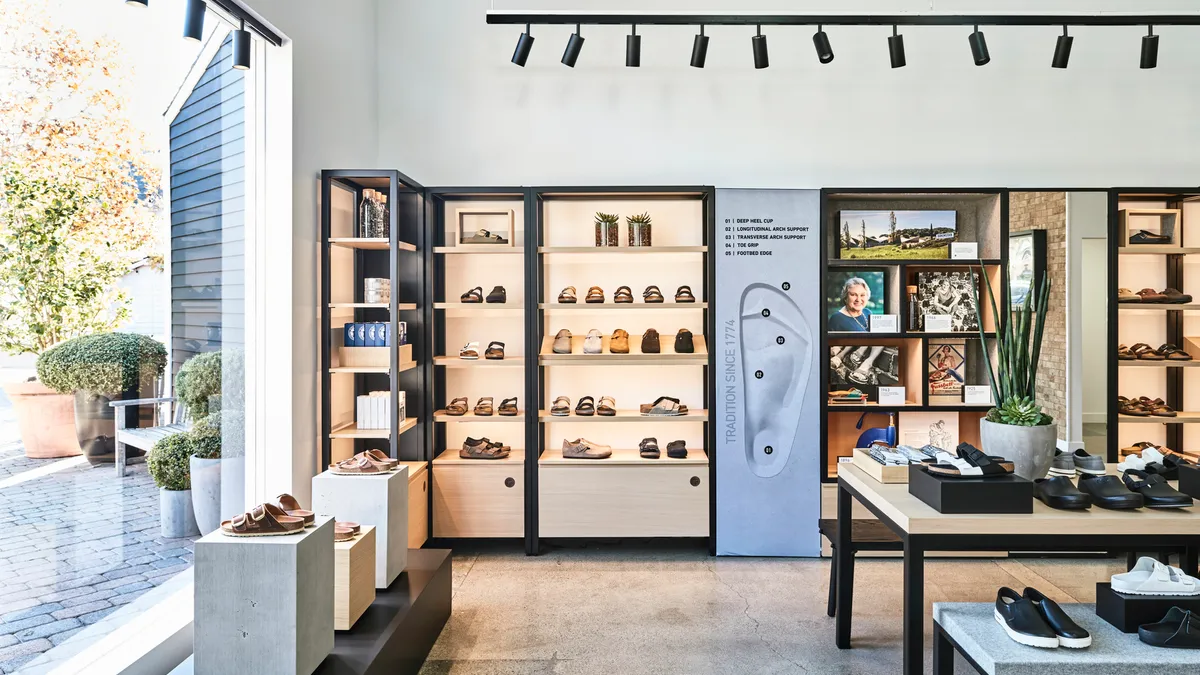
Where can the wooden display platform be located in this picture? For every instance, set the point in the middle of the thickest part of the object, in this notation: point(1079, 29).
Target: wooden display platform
point(624, 457)
point(626, 416)
point(479, 497)
point(666, 357)
point(443, 416)
point(450, 457)
point(455, 362)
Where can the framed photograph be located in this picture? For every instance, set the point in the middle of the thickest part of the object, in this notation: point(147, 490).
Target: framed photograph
point(863, 367)
point(946, 365)
point(896, 235)
point(484, 227)
point(947, 294)
point(1026, 264)
point(852, 296)
point(918, 429)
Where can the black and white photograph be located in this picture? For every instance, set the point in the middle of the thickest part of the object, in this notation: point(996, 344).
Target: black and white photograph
point(864, 368)
point(949, 294)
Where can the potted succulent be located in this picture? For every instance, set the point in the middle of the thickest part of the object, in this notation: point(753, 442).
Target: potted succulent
point(99, 369)
point(639, 229)
point(168, 464)
point(1017, 428)
point(606, 229)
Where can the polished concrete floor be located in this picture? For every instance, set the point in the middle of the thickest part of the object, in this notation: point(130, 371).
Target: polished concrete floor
point(670, 608)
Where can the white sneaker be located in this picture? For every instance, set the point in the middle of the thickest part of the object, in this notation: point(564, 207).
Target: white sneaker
point(1150, 577)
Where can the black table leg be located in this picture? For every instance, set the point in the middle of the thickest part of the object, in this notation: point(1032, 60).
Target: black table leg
point(845, 567)
point(943, 652)
point(914, 607)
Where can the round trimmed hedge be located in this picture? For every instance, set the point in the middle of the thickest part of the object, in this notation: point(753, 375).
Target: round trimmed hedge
point(102, 363)
point(169, 462)
point(199, 382)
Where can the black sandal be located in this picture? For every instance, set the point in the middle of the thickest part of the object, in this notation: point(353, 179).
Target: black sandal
point(684, 294)
point(652, 294)
point(586, 407)
point(472, 296)
point(972, 463)
point(648, 448)
point(508, 407)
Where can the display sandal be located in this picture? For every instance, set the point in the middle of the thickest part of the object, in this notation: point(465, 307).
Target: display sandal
point(1158, 408)
point(607, 407)
point(619, 342)
point(495, 351)
point(561, 407)
point(648, 448)
point(1173, 353)
point(1133, 409)
point(359, 465)
point(508, 407)
point(1145, 352)
point(595, 296)
point(971, 463)
point(482, 449)
point(652, 295)
point(651, 342)
point(457, 407)
point(382, 457)
point(473, 296)
point(469, 352)
point(1126, 295)
point(342, 533)
point(291, 507)
point(1125, 354)
point(482, 236)
point(567, 296)
point(1147, 237)
point(264, 520)
point(483, 407)
point(677, 450)
point(562, 342)
point(684, 294)
point(498, 295)
point(624, 295)
point(1175, 297)
point(1151, 295)
point(586, 407)
point(664, 406)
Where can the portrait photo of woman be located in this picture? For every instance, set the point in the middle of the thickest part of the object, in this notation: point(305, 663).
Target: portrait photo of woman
point(852, 297)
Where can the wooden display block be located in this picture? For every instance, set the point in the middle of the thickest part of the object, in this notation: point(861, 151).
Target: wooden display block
point(378, 500)
point(880, 472)
point(371, 357)
point(418, 503)
point(1169, 223)
point(353, 578)
point(479, 497)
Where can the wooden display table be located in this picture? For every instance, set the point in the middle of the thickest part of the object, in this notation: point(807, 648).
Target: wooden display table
point(924, 529)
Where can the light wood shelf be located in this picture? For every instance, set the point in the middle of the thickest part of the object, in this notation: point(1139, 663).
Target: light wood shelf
point(693, 415)
point(1143, 363)
point(635, 356)
point(369, 243)
point(1155, 249)
point(352, 431)
point(403, 307)
point(624, 457)
point(455, 362)
point(610, 306)
point(450, 457)
point(1180, 418)
point(620, 250)
point(480, 307)
point(407, 365)
point(1159, 306)
point(481, 250)
point(443, 416)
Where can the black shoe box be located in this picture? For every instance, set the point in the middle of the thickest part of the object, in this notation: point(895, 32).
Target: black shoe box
point(1189, 480)
point(1127, 611)
point(1006, 494)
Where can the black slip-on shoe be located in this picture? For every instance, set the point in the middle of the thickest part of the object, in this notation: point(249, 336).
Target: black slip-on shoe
point(1145, 237)
point(1059, 492)
point(1109, 492)
point(1155, 492)
point(1069, 633)
point(1020, 618)
point(1179, 629)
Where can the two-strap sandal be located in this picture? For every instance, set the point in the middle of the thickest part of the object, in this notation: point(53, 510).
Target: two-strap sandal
point(508, 407)
point(482, 449)
point(483, 407)
point(469, 352)
point(344, 530)
point(684, 294)
point(607, 407)
point(1151, 577)
point(652, 295)
point(291, 507)
point(648, 448)
point(623, 295)
point(457, 407)
point(663, 406)
point(561, 407)
point(1173, 353)
point(567, 296)
point(498, 295)
point(1131, 407)
point(1157, 407)
point(595, 296)
point(971, 462)
point(1145, 352)
point(264, 520)
point(495, 351)
point(1148, 237)
point(1124, 353)
point(586, 407)
point(361, 464)
point(473, 296)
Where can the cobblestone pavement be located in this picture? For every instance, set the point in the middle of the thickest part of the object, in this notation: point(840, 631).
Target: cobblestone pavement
point(75, 545)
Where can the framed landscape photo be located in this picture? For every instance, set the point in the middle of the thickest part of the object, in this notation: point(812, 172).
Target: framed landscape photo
point(896, 235)
point(852, 296)
point(1026, 264)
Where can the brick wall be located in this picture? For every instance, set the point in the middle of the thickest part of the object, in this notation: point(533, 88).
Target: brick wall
point(1048, 211)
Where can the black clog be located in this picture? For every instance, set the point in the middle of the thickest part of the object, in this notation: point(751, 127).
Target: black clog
point(1155, 492)
point(1179, 629)
point(1109, 492)
point(1059, 492)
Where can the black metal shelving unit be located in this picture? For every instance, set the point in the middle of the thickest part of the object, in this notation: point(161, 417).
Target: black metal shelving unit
point(898, 273)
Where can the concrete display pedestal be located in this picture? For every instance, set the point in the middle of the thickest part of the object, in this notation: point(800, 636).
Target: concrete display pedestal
point(264, 605)
point(353, 578)
point(380, 501)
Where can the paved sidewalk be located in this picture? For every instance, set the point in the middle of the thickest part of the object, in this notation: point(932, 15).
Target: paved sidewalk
point(75, 545)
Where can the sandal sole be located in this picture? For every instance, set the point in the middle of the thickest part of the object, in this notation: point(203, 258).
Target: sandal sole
point(227, 533)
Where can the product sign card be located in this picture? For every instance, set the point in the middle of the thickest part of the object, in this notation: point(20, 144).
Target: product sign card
point(768, 393)
point(964, 250)
point(977, 394)
point(939, 323)
point(891, 396)
point(885, 323)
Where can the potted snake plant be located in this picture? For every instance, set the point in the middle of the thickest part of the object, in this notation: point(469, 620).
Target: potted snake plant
point(1016, 427)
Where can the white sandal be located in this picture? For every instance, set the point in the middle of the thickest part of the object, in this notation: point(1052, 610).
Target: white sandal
point(470, 352)
point(1150, 577)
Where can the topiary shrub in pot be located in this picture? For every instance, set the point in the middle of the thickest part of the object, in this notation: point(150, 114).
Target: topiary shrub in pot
point(99, 369)
point(169, 466)
point(205, 464)
point(212, 381)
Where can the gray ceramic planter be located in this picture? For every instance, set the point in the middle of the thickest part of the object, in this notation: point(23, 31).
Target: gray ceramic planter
point(206, 493)
point(1030, 448)
point(175, 514)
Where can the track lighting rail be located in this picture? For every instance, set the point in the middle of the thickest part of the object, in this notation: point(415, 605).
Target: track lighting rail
point(507, 17)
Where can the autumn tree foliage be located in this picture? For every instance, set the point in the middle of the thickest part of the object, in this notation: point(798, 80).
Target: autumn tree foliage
point(81, 187)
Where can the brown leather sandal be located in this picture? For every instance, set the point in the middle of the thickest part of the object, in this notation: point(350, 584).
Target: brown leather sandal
point(567, 297)
point(1173, 353)
point(457, 407)
point(651, 344)
point(264, 520)
point(291, 507)
point(1125, 353)
point(359, 465)
point(684, 294)
point(508, 407)
point(1145, 352)
point(595, 296)
point(342, 534)
point(586, 407)
point(607, 407)
point(1157, 407)
point(483, 407)
point(383, 458)
point(495, 351)
point(624, 295)
point(473, 296)
point(350, 525)
point(652, 295)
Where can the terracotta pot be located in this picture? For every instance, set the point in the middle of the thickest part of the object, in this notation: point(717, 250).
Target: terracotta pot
point(46, 420)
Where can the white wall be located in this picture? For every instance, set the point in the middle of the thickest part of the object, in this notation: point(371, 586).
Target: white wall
point(1087, 309)
point(454, 111)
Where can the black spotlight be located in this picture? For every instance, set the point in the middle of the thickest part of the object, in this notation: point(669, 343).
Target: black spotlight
point(574, 44)
point(979, 48)
point(759, 44)
point(1150, 49)
point(138, 3)
point(241, 48)
point(193, 20)
point(524, 44)
point(824, 49)
point(896, 48)
point(633, 48)
point(1062, 50)
point(699, 49)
